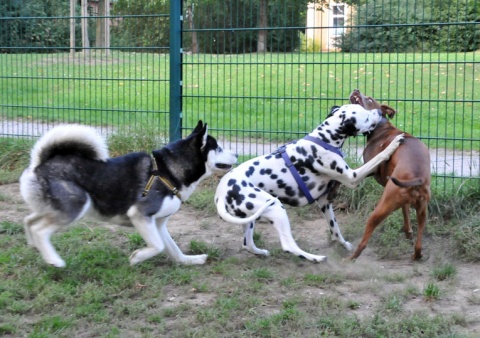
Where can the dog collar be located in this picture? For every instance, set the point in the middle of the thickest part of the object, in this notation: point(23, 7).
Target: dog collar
point(324, 145)
point(156, 174)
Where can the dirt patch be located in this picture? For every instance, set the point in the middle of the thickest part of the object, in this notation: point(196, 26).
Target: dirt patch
point(369, 281)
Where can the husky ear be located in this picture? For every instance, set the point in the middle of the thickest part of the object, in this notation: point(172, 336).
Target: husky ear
point(201, 133)
point(333, 110)
point(204, 134)
point(388, 111)
point(198, 128)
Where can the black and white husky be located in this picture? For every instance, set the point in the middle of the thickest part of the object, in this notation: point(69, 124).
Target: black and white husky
point(71, 176)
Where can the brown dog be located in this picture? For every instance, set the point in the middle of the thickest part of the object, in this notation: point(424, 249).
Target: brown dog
point(405, 176)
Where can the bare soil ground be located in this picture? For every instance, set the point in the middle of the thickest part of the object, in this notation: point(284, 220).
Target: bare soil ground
point(367, 280)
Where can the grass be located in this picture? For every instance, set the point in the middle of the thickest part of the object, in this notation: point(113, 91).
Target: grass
point(254, 96)
point(234, 295)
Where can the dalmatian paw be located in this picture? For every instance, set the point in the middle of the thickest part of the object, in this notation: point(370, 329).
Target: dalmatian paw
point(257, 251)
point(348, 246)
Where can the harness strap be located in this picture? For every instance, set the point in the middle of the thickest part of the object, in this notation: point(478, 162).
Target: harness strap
point(156, 174)
point(323, 144)
point(296, 175)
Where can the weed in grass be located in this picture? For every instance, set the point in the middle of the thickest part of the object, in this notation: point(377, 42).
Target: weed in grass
point(393, 303)
point(444, 271)
point(263, 274)
point(135, 241)
point(323, 279)
point(10, 228)
point(7, 329)
point(353, 305)
point(14, 158)
point(199, 247)
point(431, 292)
point(50, 326)
point(467, 237)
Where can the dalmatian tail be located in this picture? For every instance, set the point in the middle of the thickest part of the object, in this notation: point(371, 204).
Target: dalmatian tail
point(223, 213)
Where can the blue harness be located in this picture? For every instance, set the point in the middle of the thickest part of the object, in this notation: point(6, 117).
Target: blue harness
point(296, 175)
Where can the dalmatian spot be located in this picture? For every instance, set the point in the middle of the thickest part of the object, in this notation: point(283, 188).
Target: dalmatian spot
point(333, 165)
point(234, 195)
point(249, 205)
point(231, 182)
point(301, 151)
point(274, 176)
point(281, 184)
point(332, 224)
point(319, 161)
point(265, 171)
point(256, 163)
point(240, 213)
point(290, 201)
point(284, 170)
point(261, 185)
point(244, 183)
point(339, 170)
point(354, 174)
point(250, 171)
point(252, 195)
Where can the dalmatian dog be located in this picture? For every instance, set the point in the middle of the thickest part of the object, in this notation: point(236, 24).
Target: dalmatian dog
point(299, 173)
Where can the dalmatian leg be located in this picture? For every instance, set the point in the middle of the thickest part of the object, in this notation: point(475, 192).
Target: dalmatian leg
point(335, 232)
point(278, 217)
point(248, 243)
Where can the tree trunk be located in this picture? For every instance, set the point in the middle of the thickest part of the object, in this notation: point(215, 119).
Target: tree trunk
point(191, 25)
point(262, 23)
point(85, 40)
point(103, 26)
point(72, 27)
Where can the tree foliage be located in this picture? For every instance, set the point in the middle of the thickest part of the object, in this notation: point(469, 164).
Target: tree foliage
point(408, 25)
point(36, 25)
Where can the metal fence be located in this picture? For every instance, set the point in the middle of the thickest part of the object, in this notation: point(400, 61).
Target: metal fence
point(259, 72)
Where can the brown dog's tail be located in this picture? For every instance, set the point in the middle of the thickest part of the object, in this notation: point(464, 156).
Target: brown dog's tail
point(405, 184)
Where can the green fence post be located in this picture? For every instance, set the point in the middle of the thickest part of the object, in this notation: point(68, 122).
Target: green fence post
point(176, 20)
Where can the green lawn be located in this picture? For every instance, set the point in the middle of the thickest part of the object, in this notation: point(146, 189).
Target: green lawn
point(269, 96)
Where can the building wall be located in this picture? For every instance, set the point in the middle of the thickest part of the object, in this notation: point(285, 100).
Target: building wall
point(324, 25)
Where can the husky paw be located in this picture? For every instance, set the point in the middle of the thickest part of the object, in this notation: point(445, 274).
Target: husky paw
point(195, 259)
point(58, 263)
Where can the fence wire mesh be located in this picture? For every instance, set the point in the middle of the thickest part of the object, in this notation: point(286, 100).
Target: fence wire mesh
point(259, 72)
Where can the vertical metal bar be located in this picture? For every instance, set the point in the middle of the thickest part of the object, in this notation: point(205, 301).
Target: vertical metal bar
point(176, 21)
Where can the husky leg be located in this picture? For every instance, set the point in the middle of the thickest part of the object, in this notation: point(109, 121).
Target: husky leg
point(39, 230)
point(248, 242)
point(279, 218)
point(146, 227)
point(172, 249)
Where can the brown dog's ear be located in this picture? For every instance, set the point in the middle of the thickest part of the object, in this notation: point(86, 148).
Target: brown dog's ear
point(388, 111)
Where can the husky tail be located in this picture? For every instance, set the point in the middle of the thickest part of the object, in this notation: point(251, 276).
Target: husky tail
point(69, 139)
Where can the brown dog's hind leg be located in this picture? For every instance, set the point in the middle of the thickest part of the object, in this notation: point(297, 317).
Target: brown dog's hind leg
point(407, 226)
point(422, 220)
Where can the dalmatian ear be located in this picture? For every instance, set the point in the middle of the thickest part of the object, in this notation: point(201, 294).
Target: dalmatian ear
point(333, 110)
point(387, 111)
point(348, 128)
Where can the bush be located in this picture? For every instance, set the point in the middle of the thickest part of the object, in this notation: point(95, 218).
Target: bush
point(399, 26)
